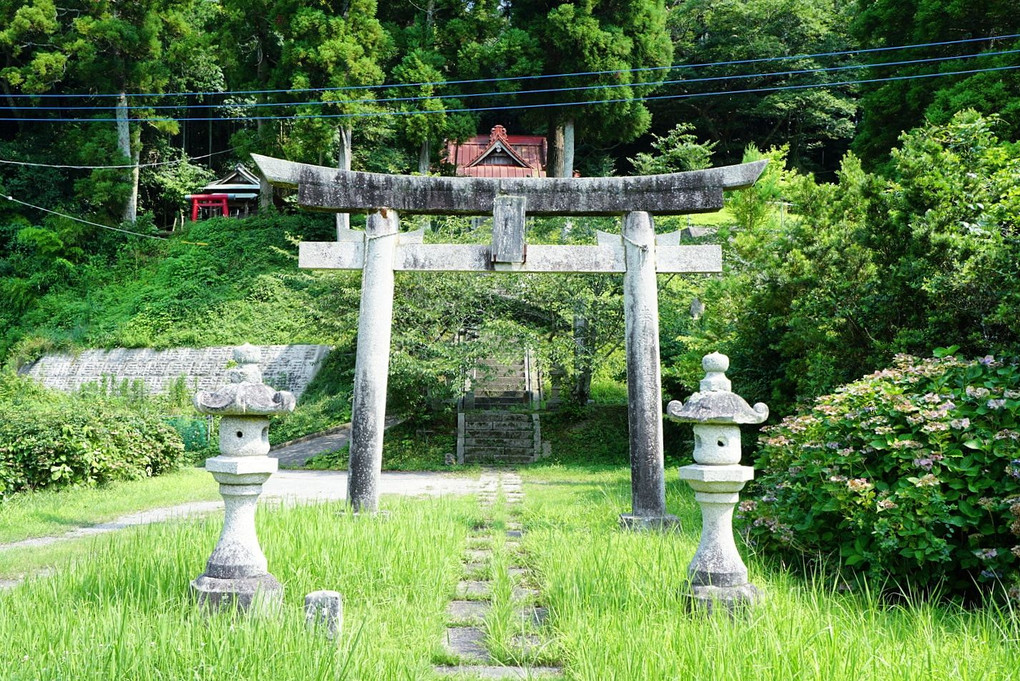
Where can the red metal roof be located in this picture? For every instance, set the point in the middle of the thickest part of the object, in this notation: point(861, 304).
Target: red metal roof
point(527, 155)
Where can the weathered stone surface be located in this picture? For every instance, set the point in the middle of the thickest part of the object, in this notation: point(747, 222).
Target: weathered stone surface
point(672, 194)
point(717, 572)
point(523, 593)
point(493, 672)
point(649, 523)
point(285, 367)
point(467, 643)
point(245, 396)
point(331, 255)
point(534, 615)
point(256, 595)
point(371, 366)
point(236, 573)
point(508, 232)
point(324, 611)
point(476, 588)
point(644, 391)
point(472, 612)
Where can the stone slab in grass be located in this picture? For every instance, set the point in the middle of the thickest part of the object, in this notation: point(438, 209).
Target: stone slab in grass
point(522, 593)
point(492, 672)
point(527, 644)
point(516, 534)
point(467, 643)
point(475, 568)
point(472, 612)
point(534, 615)
point(517, 571)
point(471, 588)
point(477, 556)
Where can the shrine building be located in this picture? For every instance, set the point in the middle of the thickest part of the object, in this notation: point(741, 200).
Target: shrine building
point(499, 155)
point(234, 195)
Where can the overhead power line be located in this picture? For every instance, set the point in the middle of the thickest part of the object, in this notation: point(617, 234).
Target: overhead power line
point(469, 95)
point(86, 222)
point(113, 167)
point(506, 79)
point(513, 107)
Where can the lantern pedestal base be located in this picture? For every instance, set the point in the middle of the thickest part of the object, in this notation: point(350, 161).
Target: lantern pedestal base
point(647, 523)
point(724, 598)
point(255, 595)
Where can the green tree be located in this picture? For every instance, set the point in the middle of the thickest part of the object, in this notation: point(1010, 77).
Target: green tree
point(815, 123)
point(594, 36)
point(122, 47)
point(31, 61)
point(332, 45)
point(889, 108)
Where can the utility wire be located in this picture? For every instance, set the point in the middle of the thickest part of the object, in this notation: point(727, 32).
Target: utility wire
point(608, 86)
point(117, 167)
point(522, 78)
point(87, 222)
point(513, 107)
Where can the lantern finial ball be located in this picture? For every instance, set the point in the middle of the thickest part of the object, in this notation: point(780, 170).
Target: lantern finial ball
point(715, 362)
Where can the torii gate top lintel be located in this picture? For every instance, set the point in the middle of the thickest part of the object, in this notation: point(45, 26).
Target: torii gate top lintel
point(329, 189)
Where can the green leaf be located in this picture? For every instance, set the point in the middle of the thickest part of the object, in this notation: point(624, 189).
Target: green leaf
point(972, 444)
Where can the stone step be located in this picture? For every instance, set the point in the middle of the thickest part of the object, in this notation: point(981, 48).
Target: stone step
point(497, 417)
point(466, 643)
point(470, 457)
point(498, 441)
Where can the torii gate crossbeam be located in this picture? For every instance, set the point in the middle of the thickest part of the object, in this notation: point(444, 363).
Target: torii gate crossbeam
point(638, 253)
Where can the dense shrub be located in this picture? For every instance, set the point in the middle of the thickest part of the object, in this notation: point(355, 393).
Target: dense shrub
point(911, 474)
point(49, 440)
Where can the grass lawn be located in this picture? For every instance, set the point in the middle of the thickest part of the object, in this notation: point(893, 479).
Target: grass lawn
point(51, 513)
point(616, 602)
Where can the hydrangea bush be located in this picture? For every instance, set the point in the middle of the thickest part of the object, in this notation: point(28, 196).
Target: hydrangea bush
point(910, 475)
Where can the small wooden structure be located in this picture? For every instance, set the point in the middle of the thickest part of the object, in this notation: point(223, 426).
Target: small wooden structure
point(499, 155)
point(234, 195)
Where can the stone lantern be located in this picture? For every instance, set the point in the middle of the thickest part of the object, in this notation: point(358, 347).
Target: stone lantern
point(717, 572)
point(237, 573)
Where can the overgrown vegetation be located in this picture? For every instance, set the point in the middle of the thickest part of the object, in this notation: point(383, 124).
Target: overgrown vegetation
point(910, 476)
point(54, 440)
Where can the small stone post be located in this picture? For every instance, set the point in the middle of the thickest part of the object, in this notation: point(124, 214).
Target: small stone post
point(644, 382)
point(324, 610)
point(717, 572)
point(237, 573)
point(372, 363)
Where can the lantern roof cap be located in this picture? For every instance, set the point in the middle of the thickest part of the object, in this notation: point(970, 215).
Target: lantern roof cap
point(715, 403)
point(246, 394)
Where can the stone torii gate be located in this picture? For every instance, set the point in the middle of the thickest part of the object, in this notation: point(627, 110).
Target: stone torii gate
point(381, 249)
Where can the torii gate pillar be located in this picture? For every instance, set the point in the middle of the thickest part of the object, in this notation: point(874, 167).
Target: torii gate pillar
point(644, 379)
point(371, 366)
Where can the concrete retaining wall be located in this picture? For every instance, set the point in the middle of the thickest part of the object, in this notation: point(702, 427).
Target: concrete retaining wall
point(284, 367)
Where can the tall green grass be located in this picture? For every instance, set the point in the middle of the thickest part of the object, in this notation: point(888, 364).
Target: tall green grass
point(617, 601)
point(124, 610)
point(618, 605)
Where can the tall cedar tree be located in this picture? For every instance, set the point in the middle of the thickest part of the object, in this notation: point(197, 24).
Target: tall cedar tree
point(595, 36)
point(120, 47)
point(332, 44)
point(816, 123)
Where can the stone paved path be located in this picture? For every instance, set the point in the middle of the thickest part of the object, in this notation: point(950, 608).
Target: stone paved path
point(465, 639)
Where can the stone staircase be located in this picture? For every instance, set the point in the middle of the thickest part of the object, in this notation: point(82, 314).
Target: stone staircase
point(493, 436)
point(503, 385)
point(490, 427)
